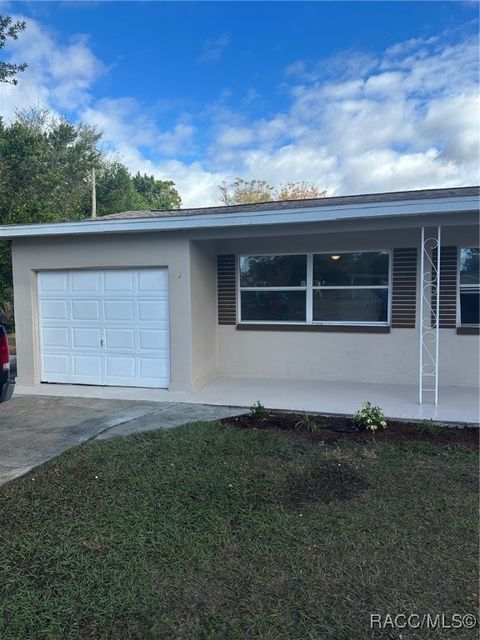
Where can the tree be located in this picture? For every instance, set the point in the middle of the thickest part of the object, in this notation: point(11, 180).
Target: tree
point(157, 194)
point(118, 191)
point(44, 166)
point(242, 191)
point(115, 189)
point(45, 175)
point(299, 191)
point(45, 163)
point(10, 29)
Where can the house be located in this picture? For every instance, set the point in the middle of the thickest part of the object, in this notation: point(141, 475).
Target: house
point(334, 289)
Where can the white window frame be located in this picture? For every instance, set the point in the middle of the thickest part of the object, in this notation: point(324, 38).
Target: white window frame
point(309, 288)
point(461, 287)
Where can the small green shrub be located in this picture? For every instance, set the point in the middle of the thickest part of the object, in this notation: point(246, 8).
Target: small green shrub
point(430, 427)
point(370, 417)
point(258, 412)
point(7, 315)
point(307, 422)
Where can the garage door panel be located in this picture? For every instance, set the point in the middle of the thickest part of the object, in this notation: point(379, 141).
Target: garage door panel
point(87, 365)
point(54, 310)
point(120, 280)
point(105, 327)
point(86, 338)
point(120, 367)
point(149, 310)
point(56, 364)
point(153, 281)
point(56, 281)
point(85, 310)
point(156, 339)
point(153, 368)
point(120, 338)
point(119, 310)
point(55, 337)
point(85, 282)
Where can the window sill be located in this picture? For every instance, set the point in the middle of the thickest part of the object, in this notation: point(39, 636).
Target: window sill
point(335, 328)
point(468, 331)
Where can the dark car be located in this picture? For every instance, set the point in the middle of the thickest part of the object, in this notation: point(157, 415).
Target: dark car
point(7, 380)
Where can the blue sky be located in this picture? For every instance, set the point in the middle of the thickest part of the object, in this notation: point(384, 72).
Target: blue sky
point(352, 96)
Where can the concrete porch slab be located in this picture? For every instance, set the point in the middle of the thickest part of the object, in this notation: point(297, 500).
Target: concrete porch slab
point(456, 404)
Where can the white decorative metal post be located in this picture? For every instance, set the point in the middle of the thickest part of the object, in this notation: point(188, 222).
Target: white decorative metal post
point(429, 314)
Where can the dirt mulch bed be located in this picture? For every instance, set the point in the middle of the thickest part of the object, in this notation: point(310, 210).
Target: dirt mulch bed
point(331, 428)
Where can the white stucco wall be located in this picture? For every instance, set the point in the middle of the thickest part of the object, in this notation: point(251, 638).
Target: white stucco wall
point(356, 357)
point(153, 250)
point(200, 349)
point(351, 357)
point(203, 274)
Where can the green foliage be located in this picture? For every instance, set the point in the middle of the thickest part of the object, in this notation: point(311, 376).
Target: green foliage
point(157, 194)
point(10, 30)
point(115, 190)
point(45, 176)
point(308, 423)
point(118, 191)
point(45, 173)
point(370, 417)
point(6, 314)
point(430, 427)
point(258, 411)
point(45, 162)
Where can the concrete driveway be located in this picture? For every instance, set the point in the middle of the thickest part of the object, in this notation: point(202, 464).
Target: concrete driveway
point(34, 429)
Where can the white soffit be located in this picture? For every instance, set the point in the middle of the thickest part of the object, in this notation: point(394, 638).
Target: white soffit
point(362, 211)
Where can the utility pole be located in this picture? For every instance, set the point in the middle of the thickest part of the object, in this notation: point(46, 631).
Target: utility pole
point(94, 195)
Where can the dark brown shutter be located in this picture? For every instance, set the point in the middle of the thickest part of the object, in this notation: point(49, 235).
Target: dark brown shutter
point(404, 288)
point(448, 287)
point(226, 290)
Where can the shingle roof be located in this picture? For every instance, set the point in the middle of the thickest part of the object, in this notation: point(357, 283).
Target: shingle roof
point(390, 196)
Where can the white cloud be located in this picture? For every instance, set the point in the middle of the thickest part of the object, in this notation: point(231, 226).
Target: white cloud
point(405, 118)
point(297, 68)
point(234, 136)
point(59, 76)
point(213, 49)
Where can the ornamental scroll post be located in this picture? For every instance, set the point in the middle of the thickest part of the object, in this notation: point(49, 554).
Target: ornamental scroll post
point(429, 315)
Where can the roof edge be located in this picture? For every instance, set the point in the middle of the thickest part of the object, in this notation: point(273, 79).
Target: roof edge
point(467, 203)
point(273, 205)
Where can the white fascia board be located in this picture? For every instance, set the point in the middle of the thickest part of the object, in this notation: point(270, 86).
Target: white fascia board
point(400, 209)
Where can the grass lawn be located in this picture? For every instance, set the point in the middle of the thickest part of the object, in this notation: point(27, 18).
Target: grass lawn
point(215, 532)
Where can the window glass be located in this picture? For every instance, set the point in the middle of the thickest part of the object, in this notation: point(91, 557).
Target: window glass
point(350, 305)
point(351, 269)
point(273, 271)
point(469, 306)
point(274, 306)
point(469, 267)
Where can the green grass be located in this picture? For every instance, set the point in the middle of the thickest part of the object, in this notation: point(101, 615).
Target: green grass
point(213, 532)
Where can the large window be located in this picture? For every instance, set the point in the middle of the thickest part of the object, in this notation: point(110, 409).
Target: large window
point(351, 287)
point(273, 288)
point(469, 286)
point(340, 288)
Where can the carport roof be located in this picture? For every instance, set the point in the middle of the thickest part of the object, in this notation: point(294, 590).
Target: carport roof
point(396, 204)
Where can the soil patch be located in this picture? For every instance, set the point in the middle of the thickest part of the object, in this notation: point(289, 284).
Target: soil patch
point(325, 482)
point(332, 428)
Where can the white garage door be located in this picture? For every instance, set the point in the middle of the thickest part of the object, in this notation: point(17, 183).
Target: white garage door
point(106, 327)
